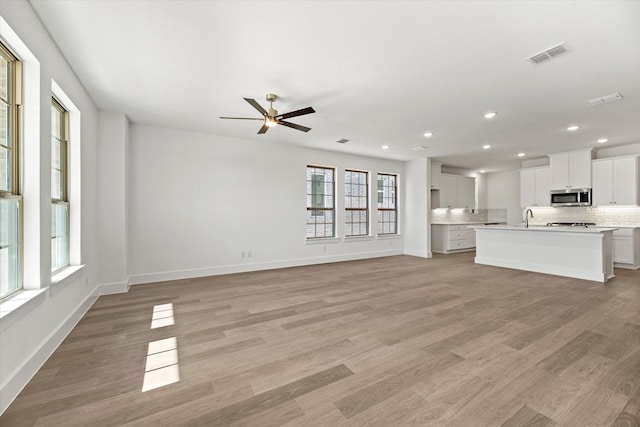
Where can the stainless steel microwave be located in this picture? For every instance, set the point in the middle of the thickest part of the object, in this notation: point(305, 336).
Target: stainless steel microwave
point(571, 197)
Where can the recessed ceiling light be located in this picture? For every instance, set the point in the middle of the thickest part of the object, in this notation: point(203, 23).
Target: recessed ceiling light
point(428, 134)
point(490, 115)
point(573, 128)
point(482, 171)
point(385, 147)
point(602, 140)
point(521, 154)
point(486, 146)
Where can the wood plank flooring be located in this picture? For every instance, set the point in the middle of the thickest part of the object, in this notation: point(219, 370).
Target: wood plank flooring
point(397, 341)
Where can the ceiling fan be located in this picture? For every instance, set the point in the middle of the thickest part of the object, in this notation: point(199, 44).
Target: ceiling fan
point(271, 117)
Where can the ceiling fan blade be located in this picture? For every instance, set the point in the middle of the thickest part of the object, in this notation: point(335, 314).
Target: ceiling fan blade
point(257, 106)
point(263, 129)
point(242, 118)
point(296, 113)
point(294, 126)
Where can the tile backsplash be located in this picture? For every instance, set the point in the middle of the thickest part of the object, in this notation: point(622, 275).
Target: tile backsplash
point(605, 215)
point(466, 215)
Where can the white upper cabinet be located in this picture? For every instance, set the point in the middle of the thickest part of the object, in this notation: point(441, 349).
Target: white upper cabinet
point(615, 181)
point(457, 191)
point(535, 184)
point(436, 171)
point(466, 192)
point(571, 170)
point(448, 191)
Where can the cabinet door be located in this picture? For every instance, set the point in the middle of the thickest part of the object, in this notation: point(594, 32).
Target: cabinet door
point(436, 171)
point(527, 188)
point(602, 191)
point(466, 197)
point(625, 181)
point(580, 169)
point(623, 250)
point(448, 191)
point(542, 187)
point(559, 171)
point(471, 238)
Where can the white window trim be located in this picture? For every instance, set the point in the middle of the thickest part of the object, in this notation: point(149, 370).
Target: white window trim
point(68, 273)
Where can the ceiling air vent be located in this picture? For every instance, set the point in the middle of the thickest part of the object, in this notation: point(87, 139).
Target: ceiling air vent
point(605, 99)
point(547, 54)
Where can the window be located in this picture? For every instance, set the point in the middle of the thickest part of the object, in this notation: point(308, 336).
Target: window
point(387, 204)
point(320, 202)
point(10, 198)
point(356, 203)
point(59, 191)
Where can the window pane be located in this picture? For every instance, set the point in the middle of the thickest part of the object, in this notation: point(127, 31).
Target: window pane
point(56, 119)
point(9, 226)
point(4, 79)
point(56, 184)
point(59, 236)
point(5, 169)
point(55, 153)
point(5, 116)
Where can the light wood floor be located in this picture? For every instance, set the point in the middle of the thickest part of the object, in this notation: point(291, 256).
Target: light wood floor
point(385, 342)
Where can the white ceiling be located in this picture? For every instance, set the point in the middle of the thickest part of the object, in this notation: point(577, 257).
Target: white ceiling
point(376, 72)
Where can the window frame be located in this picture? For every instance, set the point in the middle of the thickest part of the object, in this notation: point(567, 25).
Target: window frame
point(14, 102)
point(358, 209)
point(63, 200)
point(382, 209)
point(331, 209)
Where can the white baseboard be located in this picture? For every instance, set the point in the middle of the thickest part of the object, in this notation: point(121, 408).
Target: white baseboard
point(14, 385)
point(112, 288)
point(421, 254)
point(137, 279)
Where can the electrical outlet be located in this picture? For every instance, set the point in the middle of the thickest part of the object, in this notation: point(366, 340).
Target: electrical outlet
point(243, 254)
point(249, 254)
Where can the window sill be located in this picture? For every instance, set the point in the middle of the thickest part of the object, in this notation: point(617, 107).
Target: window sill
point(322, 240)
point(357, 238)
point(19, 303)
point(388, 236)
point(65, 276)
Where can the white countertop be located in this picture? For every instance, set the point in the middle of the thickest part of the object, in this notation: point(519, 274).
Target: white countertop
point(467, 222)
point(544, 228)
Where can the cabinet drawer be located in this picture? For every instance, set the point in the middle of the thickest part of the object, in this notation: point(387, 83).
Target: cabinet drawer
point(457, 244)
point(457, 235)
point(457, 227)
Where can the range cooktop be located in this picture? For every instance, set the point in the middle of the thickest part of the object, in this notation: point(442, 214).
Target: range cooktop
point(571, 224)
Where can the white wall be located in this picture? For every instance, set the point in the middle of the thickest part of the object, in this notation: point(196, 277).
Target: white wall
point(503, 192)
point(29, 334)
point(113, 151)
point(199, 200)
point(417, 186)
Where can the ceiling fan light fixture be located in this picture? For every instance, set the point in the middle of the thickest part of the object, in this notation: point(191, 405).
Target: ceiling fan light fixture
point(270, 122)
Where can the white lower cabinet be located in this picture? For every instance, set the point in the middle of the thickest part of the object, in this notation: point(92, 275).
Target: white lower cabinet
point(626, 248)
point(451, 238)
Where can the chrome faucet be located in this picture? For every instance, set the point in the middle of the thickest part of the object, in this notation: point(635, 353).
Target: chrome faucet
point(526, 217)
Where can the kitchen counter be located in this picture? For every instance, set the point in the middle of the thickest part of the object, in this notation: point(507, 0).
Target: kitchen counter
point(545, 228)
point(468, 223)
point(579, 252)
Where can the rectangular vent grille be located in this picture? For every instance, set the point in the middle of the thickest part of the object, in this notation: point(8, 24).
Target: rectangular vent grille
point(342, 141)
point(547, 54)
point(605, 99)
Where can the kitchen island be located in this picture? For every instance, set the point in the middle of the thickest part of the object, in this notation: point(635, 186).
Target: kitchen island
point(579, 252)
